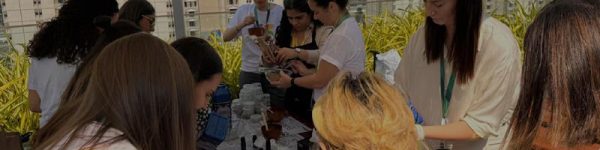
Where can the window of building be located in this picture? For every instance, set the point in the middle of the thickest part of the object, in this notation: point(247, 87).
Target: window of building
point(248, 1)
point(169, 4)
point(191, 12)
point(192, 33)
point(37, 2)
point(38, 12)
point(192, 23)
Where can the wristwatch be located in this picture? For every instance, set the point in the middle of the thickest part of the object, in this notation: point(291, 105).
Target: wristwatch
point(298, 50)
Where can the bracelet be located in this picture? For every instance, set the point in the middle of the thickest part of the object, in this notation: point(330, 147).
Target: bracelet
point(298, 50)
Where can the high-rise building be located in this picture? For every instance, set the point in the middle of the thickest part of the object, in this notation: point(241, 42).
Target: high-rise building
point(21, 18)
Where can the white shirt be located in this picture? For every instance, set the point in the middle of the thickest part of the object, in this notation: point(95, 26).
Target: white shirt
point(250, 51)
point(86, 134)
point(485, 102)
point(49, 79)
point(345, 49)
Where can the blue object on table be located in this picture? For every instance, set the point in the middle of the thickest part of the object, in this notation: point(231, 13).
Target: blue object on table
point(217, 129)
point(221, 95)
point(416, 115)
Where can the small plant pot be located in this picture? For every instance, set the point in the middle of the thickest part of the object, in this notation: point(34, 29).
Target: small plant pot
point(274, 131)
point(257, 31)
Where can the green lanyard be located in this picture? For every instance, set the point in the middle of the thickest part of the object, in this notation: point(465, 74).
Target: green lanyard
point(446, 92)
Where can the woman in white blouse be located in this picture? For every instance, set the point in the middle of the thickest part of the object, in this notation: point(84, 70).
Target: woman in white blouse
point(462, 72)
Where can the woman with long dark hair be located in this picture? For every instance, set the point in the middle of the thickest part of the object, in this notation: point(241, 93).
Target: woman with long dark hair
point(58, 47)
point(559, 104)
point(139, 96)
point(299, 35)
point(461, 71)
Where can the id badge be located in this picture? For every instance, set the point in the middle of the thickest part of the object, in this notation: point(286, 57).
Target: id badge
point(444, 145)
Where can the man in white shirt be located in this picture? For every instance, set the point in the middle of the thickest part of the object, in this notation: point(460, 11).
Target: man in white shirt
point(262, 14)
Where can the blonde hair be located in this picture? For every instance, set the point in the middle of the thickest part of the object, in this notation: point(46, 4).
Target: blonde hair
point(364, 113)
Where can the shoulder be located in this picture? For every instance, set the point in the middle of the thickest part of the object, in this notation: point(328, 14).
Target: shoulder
point(245, 7)
point(496, 37)
point(277, 7)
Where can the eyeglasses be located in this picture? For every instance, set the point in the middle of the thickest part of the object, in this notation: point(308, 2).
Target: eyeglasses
point(151, 19)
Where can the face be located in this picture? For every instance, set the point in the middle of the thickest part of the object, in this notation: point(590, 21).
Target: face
point(322, 14)
point(442, 12)
point(147, 23)
point(299, 20)
point(204, 90)
point(260, 3)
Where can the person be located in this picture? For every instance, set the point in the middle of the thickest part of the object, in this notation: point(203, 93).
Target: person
point(363, 113)
point(472, 61)
point(559, 101)
point(344, 49)
point(125, 104)
point(58, 47)
point(300, 37)
point(259, 14)
point(207, 69)
point(141, 12)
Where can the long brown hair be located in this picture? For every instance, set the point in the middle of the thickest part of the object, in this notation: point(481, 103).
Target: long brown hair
point(561, 71)
point(462, 51)
point(140, 86)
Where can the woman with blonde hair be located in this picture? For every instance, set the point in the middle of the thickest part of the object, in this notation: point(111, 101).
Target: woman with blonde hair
point(363, 113)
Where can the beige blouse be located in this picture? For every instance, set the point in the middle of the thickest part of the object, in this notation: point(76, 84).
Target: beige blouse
point(106, 142)
point(485, 103)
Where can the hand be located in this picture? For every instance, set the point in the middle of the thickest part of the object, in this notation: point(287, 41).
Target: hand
point(299, 67)
point(284, 82)
point(268, 61)
point(248, 20)
point(286, 53)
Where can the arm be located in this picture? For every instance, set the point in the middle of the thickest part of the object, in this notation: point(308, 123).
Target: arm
point(238, 22)
point(458, 131)
point(231, 33)
point(288, 53)
point(325, 72)
point(34, 101)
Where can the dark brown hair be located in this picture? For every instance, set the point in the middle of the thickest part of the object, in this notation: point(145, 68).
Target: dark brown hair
point(561, 77)
point(70, 35)
point(462, 51)
point(203, 59)
point(133, 10)
point(140, 86)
